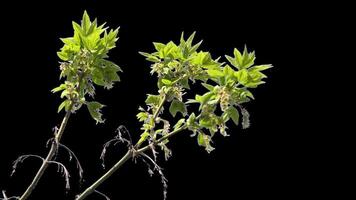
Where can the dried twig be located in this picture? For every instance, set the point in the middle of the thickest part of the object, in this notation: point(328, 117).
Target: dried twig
point(71, 156)
point(119, 138)
point(21, 159)
point(102, 194)
point(158, 169)
point(63, 170)
point(8, 198)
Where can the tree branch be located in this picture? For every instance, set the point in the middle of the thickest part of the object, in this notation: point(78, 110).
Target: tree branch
point(49, 157)
point(130, 153)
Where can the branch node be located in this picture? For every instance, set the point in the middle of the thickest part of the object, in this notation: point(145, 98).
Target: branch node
point(119, 138)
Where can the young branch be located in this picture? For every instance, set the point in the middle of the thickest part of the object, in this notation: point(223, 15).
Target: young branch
point(93, 187)
point(49, 157)
point(129, 154)
point(155, 115)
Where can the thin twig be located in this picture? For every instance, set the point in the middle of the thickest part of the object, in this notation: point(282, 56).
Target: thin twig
point(102, 194)
point(7, 198)
point(119, 138)
point(157, 168)
point(21, 159)
point(71, 156)
point(63, 170)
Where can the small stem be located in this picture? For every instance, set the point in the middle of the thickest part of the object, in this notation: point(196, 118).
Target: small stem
point(145, 148)
point(4, 195)
point(155, 115)
point(49, 157)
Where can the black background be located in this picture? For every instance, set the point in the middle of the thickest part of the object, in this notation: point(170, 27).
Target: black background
point(271, 159)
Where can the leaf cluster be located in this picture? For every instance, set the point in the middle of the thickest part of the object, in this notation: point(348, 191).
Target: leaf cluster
point(85, 65)
point(228, 87)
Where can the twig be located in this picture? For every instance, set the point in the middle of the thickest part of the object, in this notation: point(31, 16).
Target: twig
point(63, 170)
point(102, 194)
point(119, 138)
point(7, 198)
point(157, 168)
point(21, 159)
point(71, 156)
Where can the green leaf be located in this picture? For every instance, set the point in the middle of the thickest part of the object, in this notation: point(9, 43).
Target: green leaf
point(106, 74)
point(192, 101)
point(206, 122)
point(153, 99)
point(98, 77)
point(179, 124)
point(190, 39)
point(215, 73)
point(63, 56)
point(232, 61)
point(77, 29)
point(204, 140)
point(191, 121)
point(65, 104)
point(142, 116)
point(209, 87)
point(158, 46)
point(150, 57)
point(242, 76)
point(177, 106)
point(167, 82)
point(238, 56)
point(243, 61)
point(64, 93)
point(86, 22)
point(205, 98)
point(233, 114)
point(247, 93)
point(247, 59)
point(228, 71)
point(59, 88)
point(185, 82)
point(95, 112)
point(195, 47)
point(260, 67)
point(201, 139)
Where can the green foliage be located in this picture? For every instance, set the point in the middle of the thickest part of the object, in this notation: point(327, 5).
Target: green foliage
point(85, 64)
point(177, 106)
point(153, 99)
point(94, 109)
point(233, 113)
point(205, 141)
point(228, 86)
